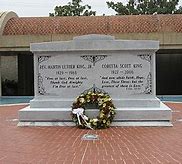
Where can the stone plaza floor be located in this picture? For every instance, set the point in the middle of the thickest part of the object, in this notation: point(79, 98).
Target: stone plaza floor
point(64, 145)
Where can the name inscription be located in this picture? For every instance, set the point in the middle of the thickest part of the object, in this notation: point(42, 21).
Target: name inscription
point(124, 75)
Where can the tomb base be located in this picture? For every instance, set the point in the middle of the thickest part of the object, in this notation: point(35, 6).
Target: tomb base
point(125, 116)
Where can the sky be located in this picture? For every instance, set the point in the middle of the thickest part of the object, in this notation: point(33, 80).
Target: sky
point(39, 8)
point(24, 8)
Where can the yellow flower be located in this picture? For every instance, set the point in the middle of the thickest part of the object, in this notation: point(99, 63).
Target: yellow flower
point(108, 123)
point(89, 93)
point(101, 115)
point(106, 99)
point(88, 98)
point(94, 123)
point(95, 120)
point(101, 94)
point(82, 100)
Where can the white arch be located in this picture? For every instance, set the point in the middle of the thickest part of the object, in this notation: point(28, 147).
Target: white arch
point(4, 17)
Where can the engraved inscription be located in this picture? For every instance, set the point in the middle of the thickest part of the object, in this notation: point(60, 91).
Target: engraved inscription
point(114, 74)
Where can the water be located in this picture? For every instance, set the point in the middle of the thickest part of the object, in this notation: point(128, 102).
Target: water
point(15, 99)
point(174, 98)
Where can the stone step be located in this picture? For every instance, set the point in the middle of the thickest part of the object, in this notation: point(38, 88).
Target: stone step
point(114, 123)
point(119, 103)
point(122, 114)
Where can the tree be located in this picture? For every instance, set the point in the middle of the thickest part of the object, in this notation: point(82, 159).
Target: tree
point(73, 9)
point(136, 7)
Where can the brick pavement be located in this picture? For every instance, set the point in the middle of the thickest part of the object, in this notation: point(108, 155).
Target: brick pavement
point(63, 145)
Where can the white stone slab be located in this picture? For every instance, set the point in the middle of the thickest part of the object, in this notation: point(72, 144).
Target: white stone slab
point(121, 75)
point(163, 113)
point(129, 123)
point(144, 123)
point(29, 124)
point(95, 43)
point(119, 103)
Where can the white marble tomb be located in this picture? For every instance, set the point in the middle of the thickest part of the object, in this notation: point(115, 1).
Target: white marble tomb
point(125, 69)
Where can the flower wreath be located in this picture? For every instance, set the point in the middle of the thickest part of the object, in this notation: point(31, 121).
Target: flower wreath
point(105, 105)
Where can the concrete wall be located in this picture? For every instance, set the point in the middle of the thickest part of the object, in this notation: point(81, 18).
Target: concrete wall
point(169, 40)
point(9, 68)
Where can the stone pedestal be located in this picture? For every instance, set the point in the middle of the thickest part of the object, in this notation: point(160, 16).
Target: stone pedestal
point(124, 69)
